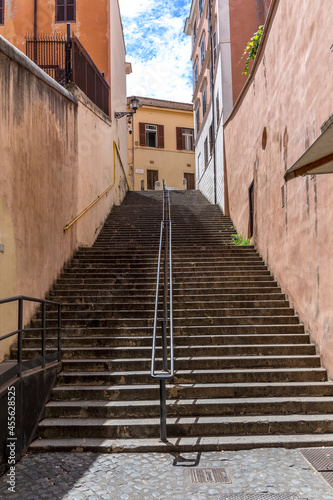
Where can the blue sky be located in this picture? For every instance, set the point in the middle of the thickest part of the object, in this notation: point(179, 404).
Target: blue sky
point(158, 48)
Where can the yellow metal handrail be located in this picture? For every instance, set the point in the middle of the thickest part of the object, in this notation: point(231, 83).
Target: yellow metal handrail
point(115, 149)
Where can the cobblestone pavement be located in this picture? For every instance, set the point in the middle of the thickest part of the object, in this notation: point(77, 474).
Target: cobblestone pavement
point(253, 474)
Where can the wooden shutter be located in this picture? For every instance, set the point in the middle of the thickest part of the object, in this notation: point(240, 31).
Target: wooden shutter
point(60, 11)
point(160, 129)
point(142, 131)
point(179, 134)
point(2, 13)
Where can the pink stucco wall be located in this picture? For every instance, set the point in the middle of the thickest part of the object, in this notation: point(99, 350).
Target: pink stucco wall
point(291, 94)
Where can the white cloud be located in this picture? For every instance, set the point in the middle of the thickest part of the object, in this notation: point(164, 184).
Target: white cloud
point(133, 8)
point(157, 48)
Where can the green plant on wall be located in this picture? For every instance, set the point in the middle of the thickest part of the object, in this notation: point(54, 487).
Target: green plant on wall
point(238, 240)
point(252, 48)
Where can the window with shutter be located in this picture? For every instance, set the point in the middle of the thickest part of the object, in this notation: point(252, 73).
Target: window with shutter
point(142, 133)
point(206, 151)
point(2, 11)
point(179, 137)
point(202, 51)
point(204, 102)
point(196, 74)
point(214, 47)
point(151, 136)
point(198, 119)
point(65, 11)
point(161, 136)
point(200, 7)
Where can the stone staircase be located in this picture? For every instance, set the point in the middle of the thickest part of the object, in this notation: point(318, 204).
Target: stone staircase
point(246, 373)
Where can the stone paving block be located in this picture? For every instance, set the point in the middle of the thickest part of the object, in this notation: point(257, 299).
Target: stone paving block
point(79, 476)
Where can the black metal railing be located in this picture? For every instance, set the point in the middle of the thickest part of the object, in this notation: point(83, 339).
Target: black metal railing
point(65, 59)
point(166, 371)
point(44, 358)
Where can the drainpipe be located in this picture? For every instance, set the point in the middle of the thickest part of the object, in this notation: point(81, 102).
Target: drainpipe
point(212, 96)
point(35, 31)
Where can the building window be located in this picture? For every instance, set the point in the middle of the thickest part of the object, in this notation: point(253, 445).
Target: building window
point(200, 8)
point(206, 151)
point(211, 139)
point(151, 135)
point(65, 11)
point(198, 119)
point(204, 102)
point(202, 51)
point(185, 141)
point(196, 74)
point(189, 180)
point(194, 31)
point(217, 108)
point(214, 47)
point(2, 11)
point(152, 177)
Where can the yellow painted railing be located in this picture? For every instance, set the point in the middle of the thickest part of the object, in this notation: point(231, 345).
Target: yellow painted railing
point(115, 151)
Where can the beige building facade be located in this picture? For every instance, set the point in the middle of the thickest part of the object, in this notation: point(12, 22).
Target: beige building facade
point(161, 145)
point(219, 30)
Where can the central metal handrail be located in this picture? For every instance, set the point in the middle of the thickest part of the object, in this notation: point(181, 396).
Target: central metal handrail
point(167, 371)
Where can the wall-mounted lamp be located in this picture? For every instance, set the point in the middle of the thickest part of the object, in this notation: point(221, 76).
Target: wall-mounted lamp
point(134, 104)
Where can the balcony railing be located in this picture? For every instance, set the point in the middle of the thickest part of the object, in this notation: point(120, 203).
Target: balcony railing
point(65, 59)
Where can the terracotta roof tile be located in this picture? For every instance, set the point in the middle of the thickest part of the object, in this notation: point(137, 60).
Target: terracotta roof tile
point(160, 103)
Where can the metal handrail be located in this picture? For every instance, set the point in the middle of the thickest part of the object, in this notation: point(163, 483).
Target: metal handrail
point(20, 330)
point(167, 371)
point(115, 151)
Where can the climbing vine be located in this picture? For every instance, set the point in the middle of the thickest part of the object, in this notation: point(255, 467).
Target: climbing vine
point(252, 48)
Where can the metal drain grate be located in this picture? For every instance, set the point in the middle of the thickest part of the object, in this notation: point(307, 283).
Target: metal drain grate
point(320, 459)
point(217, 475)
point(328, 476)
point(261, 496)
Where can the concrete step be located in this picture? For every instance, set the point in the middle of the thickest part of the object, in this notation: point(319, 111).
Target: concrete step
point(145, 341)
point(186, 426)
point(192, 391)
point(194, 363)
point(194, 376)
point(190, 407)
point(185, 445)
point(105, 322)
point(93, 352)
point(178, 314)
point(179, 305)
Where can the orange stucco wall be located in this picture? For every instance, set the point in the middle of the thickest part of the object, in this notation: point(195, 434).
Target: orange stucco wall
point(291, 94)
point(92, 26)
point(56, 157)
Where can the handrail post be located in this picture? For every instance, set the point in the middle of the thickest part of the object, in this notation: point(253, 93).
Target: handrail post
point(20, 327)
point(59, 332)
point(43, 332)
point(163, 433)
point(166, 373)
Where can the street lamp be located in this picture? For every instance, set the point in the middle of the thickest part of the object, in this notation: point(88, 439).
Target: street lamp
point(134, 104)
